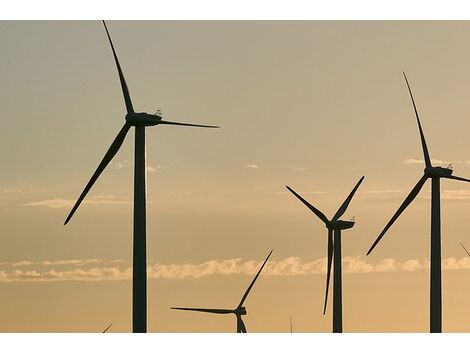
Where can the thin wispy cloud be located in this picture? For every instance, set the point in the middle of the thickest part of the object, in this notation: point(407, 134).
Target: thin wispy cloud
point(12, 190)
point(250, 166)
point(71, 262)
point(301, 192)
point(381, 191)
point(155, 168)
point(51, 203)
point(124, 163)
point(16, 189)
point(299, 168)
point(412, 161)
point(378, 192)
point(291, 266)
point(94, 274)
point(459, 194)
point(129, 163)
point(67, 203)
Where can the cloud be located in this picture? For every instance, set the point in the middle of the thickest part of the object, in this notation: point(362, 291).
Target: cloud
point(128, 163)
point(66, 203)
point(12, 190)
point(302, 193)
point(250, 166)
point(94, 274)
point(382, 191)
point(73, 262)
point(155, 168)
point(412, 161)
point(124, 163)
point(21, 263)
point(456, 194)
point(459, 194)
point(51, 203)
point(299, 168)
point(291, 266)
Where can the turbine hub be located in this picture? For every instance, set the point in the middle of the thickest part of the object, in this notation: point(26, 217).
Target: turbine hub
point(240, 311)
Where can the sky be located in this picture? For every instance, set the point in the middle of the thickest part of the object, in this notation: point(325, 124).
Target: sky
point(310, 104)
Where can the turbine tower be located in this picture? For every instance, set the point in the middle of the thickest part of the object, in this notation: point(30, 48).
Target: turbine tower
point(334, 226)
point(239, 310)
point(139, 120)
point(435, 173)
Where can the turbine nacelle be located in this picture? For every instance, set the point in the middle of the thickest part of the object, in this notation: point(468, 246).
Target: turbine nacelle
point(142, 119)
point(340, 225)
point(437, 171)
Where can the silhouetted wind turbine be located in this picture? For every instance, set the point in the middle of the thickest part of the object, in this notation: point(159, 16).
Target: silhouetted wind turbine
point(139, 120)
point(464, 248)
point(335, 225)
point(239, 310)
point(290, 321)
point(435, 173)
point(107, 328)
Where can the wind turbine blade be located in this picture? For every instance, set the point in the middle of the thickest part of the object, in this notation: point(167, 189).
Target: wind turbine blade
point(240, 325)
point(107, 328)
point(206, 310)
point(427, 159)
point(329, 263)
point(452, 177)
point(310, 206)
point(254, 280)
point(162, 122)
point(113, 149)
point(346, 202)
point(414, 192)
point(125, 90)
point(464, 248)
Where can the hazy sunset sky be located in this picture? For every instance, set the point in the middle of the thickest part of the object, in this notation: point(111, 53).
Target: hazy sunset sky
point(313, 105)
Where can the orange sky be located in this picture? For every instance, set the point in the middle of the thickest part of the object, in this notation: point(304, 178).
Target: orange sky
point(313, 105)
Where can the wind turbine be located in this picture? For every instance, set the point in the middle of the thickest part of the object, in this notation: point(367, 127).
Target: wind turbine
point(465, 249)
point(435, 173)
point(107, 328)
point(290, 321)
point(139, 120)
point(335, 225)
point(239, 310)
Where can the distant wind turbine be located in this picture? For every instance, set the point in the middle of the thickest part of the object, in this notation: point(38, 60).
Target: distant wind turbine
point(239, 310)
point(290, 321)
point(139, 120)
point(335, 225)
point(464, 248)
point(107, 328)
point(435, 173)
